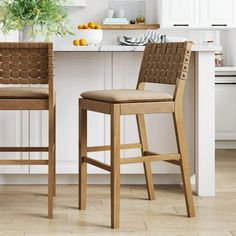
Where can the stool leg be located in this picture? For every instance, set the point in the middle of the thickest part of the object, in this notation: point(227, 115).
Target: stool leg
point(54, 154)
point(51, 163)
point(82, 153)
point(147, 165)
point(115, 166)
point(181, 143)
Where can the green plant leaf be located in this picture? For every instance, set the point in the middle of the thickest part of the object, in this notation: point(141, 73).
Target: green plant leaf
point(47, 17)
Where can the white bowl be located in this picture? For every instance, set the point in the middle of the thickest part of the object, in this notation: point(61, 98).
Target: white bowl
point(92, 36)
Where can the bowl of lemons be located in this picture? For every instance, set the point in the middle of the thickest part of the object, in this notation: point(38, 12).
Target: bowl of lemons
point(88, 35)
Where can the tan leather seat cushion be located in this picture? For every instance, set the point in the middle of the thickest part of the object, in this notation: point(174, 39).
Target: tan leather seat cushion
point(126, 95)
point(23, 93)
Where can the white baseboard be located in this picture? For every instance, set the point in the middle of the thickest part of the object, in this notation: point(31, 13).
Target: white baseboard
point(92, 179)
point(33, 179)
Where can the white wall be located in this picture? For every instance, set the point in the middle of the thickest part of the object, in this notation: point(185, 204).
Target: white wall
point(96, 11)
point(231, 47)
point(227, 41)
point(13, 37)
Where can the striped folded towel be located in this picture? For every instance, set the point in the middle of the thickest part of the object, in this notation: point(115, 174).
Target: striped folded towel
point(150, 36)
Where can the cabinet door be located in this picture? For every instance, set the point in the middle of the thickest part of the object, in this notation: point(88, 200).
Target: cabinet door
point(180, 13)
point(217, 13)
point(75, 72)
point(160, 128)
point(14, 133)
point(13, 127)
point(225, 112)
point(125, 73)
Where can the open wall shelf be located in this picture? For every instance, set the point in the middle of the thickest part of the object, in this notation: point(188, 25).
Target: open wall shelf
point(131, 27)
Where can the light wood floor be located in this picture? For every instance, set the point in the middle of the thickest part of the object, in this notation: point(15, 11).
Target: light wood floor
point(23, 209)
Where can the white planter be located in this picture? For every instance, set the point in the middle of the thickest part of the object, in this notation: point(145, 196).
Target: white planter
point(25, 35)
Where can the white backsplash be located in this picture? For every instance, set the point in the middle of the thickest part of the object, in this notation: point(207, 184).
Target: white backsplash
point(132, 9)
point(229, 47)
point(96, 12)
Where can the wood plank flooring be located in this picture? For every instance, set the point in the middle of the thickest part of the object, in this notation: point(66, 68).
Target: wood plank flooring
point(23, 209)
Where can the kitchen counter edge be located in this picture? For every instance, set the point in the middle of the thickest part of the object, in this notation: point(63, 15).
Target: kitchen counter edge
point(117, 48)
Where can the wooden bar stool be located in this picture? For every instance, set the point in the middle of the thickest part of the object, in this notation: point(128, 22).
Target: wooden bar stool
point(165, 63)
point(30, 64)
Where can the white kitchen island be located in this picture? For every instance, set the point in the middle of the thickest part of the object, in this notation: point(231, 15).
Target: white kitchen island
point(103, 67)
point(78, 69)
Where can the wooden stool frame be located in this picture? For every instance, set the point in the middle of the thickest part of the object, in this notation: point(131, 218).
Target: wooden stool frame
point(162, 63)
point(31, 63)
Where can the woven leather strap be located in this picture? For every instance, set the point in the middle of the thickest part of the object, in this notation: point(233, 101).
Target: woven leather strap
point(165, 62)
point(26, 63)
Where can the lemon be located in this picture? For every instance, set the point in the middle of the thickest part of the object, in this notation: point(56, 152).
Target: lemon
point(91, 25)
point(98, 27)
point(76, 42)
point(82, 42)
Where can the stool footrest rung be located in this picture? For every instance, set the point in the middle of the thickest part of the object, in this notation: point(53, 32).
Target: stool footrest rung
point(141, 159)
point(23, 149)
point(174, 162)
point(108, 147)
point(23, 162)
point(96, 163)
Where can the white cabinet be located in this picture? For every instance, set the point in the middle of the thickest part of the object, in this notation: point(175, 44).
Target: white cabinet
point(125, 73)
point(81, 72)
point(225, 108)
point(14, 132)
point(217, 13)
point(13, 128)
point(196, 13)
point(178, 13)
point(160, 127)
point(74, 74)
point(77, 73)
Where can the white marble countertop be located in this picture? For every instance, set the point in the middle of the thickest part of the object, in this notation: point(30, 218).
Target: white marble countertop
point(225, 69)
point(117, 48)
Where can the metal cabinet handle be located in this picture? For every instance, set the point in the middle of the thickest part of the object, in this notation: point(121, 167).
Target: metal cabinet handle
point(180, 24)
point(225, 83)
point(222, 25)
point(223, 76)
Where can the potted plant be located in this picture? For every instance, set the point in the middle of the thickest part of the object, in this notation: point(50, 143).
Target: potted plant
point(33, 17)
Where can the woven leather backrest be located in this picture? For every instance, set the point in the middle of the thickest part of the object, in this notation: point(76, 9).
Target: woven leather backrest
point(165, 62)
point(26, 63)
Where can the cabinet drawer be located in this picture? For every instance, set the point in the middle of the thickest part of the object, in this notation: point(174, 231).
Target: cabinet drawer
point(225, 110)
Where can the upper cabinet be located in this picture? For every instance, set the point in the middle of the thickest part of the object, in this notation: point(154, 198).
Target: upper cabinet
point(178, 13)
point(217, 13)
point(196, 13)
